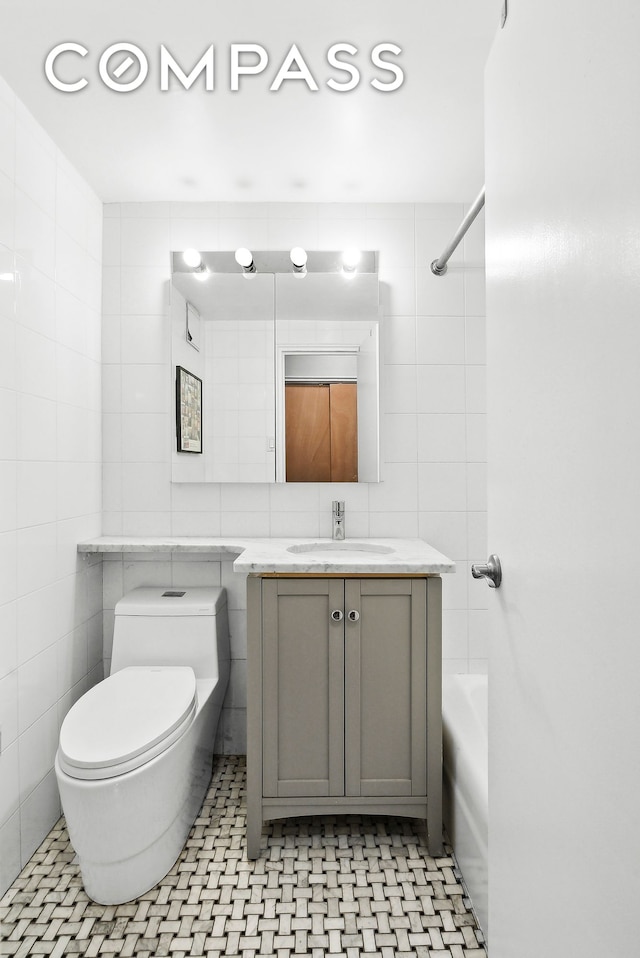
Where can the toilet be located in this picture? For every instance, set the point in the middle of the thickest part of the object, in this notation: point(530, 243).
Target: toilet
point(135, 754)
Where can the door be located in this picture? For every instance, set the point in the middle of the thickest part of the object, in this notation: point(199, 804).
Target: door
point(563, 287)
point(307, 432)
point(321, 429)
point(303, 687)
point(343, 420)
point(385, 687)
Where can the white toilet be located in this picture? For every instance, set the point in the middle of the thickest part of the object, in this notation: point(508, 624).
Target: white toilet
point(135, 754)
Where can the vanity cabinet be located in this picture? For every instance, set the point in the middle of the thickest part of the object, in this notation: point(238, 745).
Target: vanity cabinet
point(344, 698)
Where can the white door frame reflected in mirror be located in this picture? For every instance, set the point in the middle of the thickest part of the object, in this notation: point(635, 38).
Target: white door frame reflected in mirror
point(282, 352)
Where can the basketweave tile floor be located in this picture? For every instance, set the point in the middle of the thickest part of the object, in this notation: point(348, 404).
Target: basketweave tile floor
point(338, 885)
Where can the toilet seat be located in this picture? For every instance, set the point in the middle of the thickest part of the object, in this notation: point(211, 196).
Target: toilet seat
point(126, 720)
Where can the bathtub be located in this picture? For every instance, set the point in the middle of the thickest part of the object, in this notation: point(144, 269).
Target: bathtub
point(466, 788)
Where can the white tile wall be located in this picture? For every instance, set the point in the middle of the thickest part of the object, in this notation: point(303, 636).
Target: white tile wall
point(433, 472)
point(50, 482)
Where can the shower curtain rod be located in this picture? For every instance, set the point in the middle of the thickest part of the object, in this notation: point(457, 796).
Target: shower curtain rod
point(439, 266)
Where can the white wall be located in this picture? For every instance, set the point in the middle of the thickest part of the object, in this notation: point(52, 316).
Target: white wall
point(50, 485)
point(563, 309)
point(433, 400)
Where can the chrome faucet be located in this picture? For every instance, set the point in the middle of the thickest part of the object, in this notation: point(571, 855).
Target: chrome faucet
point(337, 512)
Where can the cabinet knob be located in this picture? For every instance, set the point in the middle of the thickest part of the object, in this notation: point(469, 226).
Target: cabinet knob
point(336, 615)
point(354, 615)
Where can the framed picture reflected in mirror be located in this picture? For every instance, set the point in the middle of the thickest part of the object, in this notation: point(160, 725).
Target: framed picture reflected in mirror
point(188, 411)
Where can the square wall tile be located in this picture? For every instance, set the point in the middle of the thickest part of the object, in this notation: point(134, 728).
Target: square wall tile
point(434, 233)
point(9, 711)
point(440, 295)
point(398, 491)
point(394, 240)
point(38, 747)
point(71, 321)
point(145, 437)
point(37, 491)
point(37, 687)
point(441, 437)
point(10, 863)
point(476, 438)
point(397, 524)
point(9, 788)
point(36, 363)
point(8, 570)
point(37, 428)
point(398, 341)
point(35, 299)
point(144, 290)
point(397, 290)
point(146, 523)
point(201, 233)
point(440, 339)
point(7, 211)
point(446, 532)
point(442, 486)
point(475, 340)
point(477, 536)
point(475, 291)
point(35, 234)
point(36, 558)
point(440, 389)
point(455, 641)
point(38, 814)
point(144, 242)
point(146, 487)
point(72, 213)
point(37, 622)
point(79, 489)
point(35, 170)
point(399, 434)
point(8, 488)
point(454, 589)
point(72, 660)
point(7, 353)
point(399, 388)
point(144, 340)
point(8, 639)
point(7, 139)
point(477, 487)
point(146, 388)
point(476, 389)
point(8, 424)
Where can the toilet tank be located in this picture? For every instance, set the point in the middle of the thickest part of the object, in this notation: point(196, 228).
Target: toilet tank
point(172, 626)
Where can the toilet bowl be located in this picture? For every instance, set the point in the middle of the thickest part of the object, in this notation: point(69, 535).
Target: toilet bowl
point(135, 752)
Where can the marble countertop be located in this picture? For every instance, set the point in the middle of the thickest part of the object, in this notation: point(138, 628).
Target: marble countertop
point(293, 555)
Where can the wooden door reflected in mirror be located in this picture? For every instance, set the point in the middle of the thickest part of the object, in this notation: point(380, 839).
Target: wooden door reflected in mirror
point(321, 432)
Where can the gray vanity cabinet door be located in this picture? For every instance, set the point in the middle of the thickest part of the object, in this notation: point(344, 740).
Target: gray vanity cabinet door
point(385, 681)
point(303, 687)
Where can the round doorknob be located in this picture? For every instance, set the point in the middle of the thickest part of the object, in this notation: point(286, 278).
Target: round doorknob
point(336, 615)
point(491, 571)
point(354, 615)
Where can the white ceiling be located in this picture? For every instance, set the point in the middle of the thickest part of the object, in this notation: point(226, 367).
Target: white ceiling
point(420, 143)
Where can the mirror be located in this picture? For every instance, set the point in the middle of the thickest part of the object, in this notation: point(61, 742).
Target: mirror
point(289, 365)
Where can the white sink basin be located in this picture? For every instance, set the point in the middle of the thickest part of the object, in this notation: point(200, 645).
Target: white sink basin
point(339, 546)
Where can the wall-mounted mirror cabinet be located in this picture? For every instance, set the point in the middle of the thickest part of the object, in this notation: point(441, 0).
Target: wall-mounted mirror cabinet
point(289, 363)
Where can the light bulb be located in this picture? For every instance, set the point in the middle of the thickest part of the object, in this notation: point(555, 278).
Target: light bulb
point(192, 258)
point(244, 258)
point(298, 257)
point(350, 258)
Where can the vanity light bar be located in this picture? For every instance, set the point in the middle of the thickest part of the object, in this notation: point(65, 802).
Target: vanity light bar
point(276, 261)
